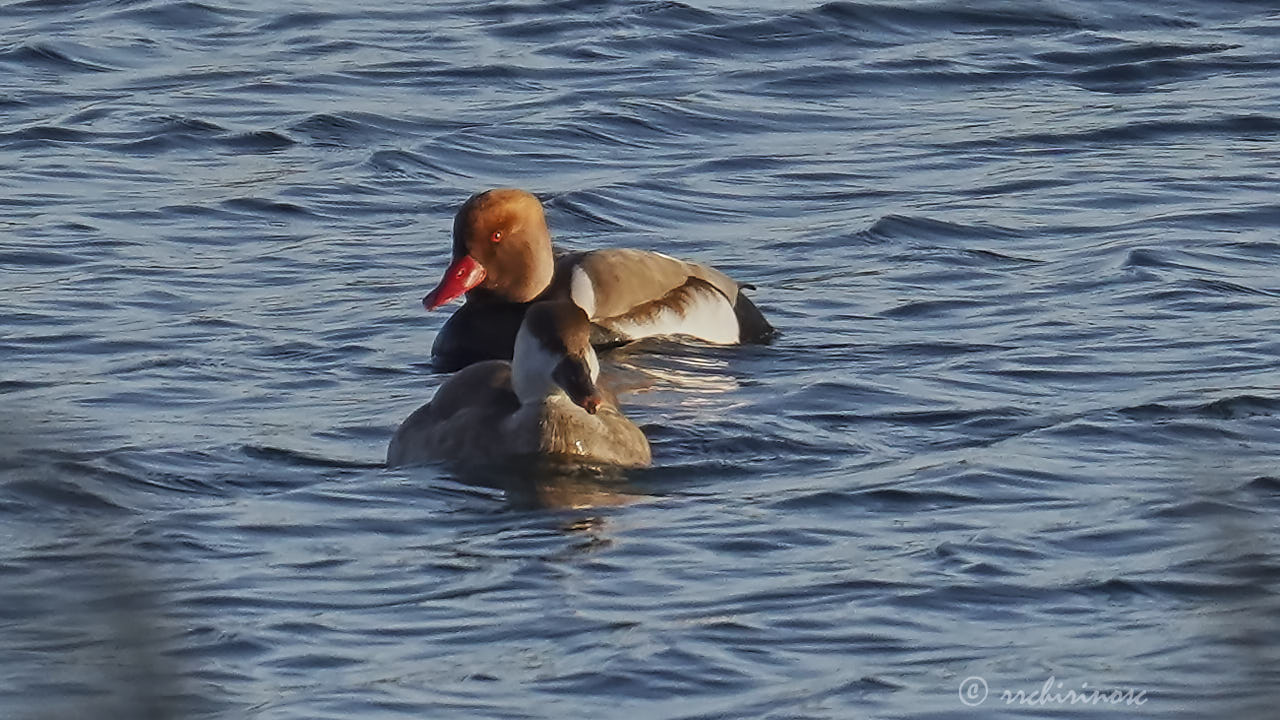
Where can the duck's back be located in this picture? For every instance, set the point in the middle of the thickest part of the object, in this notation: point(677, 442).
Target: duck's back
point(558, 428)
point(461, 422)
point(622, 279)
point(633, 294)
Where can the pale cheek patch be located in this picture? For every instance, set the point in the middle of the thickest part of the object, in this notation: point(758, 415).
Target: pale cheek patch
point(531, 368)
point(582, 292)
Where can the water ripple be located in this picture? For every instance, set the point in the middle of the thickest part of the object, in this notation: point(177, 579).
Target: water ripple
point(1023, 264)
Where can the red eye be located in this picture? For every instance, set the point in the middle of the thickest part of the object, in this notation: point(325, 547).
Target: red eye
point(497, 236)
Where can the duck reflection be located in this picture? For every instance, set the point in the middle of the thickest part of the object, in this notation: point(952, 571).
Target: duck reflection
point(548, 483)
point(695, 372)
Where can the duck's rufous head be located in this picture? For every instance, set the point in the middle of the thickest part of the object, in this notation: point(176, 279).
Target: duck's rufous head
point(501, 244)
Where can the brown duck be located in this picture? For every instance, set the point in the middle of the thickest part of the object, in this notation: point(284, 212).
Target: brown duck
point(543, 404)
point(503, 260)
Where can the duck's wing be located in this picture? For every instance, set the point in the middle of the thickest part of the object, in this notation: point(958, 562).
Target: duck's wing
point(613, 282)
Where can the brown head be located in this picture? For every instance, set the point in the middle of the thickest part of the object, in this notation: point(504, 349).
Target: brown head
point(501, 244)
point(553, 347)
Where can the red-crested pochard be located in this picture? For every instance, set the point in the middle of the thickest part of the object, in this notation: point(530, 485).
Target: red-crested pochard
point(544, 403)
point(503, 260)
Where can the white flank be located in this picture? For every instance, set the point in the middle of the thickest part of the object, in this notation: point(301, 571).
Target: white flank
point(582, 292)
point(705, 315)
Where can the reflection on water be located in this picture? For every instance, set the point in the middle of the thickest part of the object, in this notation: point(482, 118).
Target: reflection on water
point(654, 365)
point(552, 484)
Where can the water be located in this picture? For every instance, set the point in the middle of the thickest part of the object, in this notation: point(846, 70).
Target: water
point(1022, 424)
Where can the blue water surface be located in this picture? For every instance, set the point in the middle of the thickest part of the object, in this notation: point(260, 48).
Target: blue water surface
point(1020, 432)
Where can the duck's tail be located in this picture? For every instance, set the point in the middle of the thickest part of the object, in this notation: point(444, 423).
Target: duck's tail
point(752, 326)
